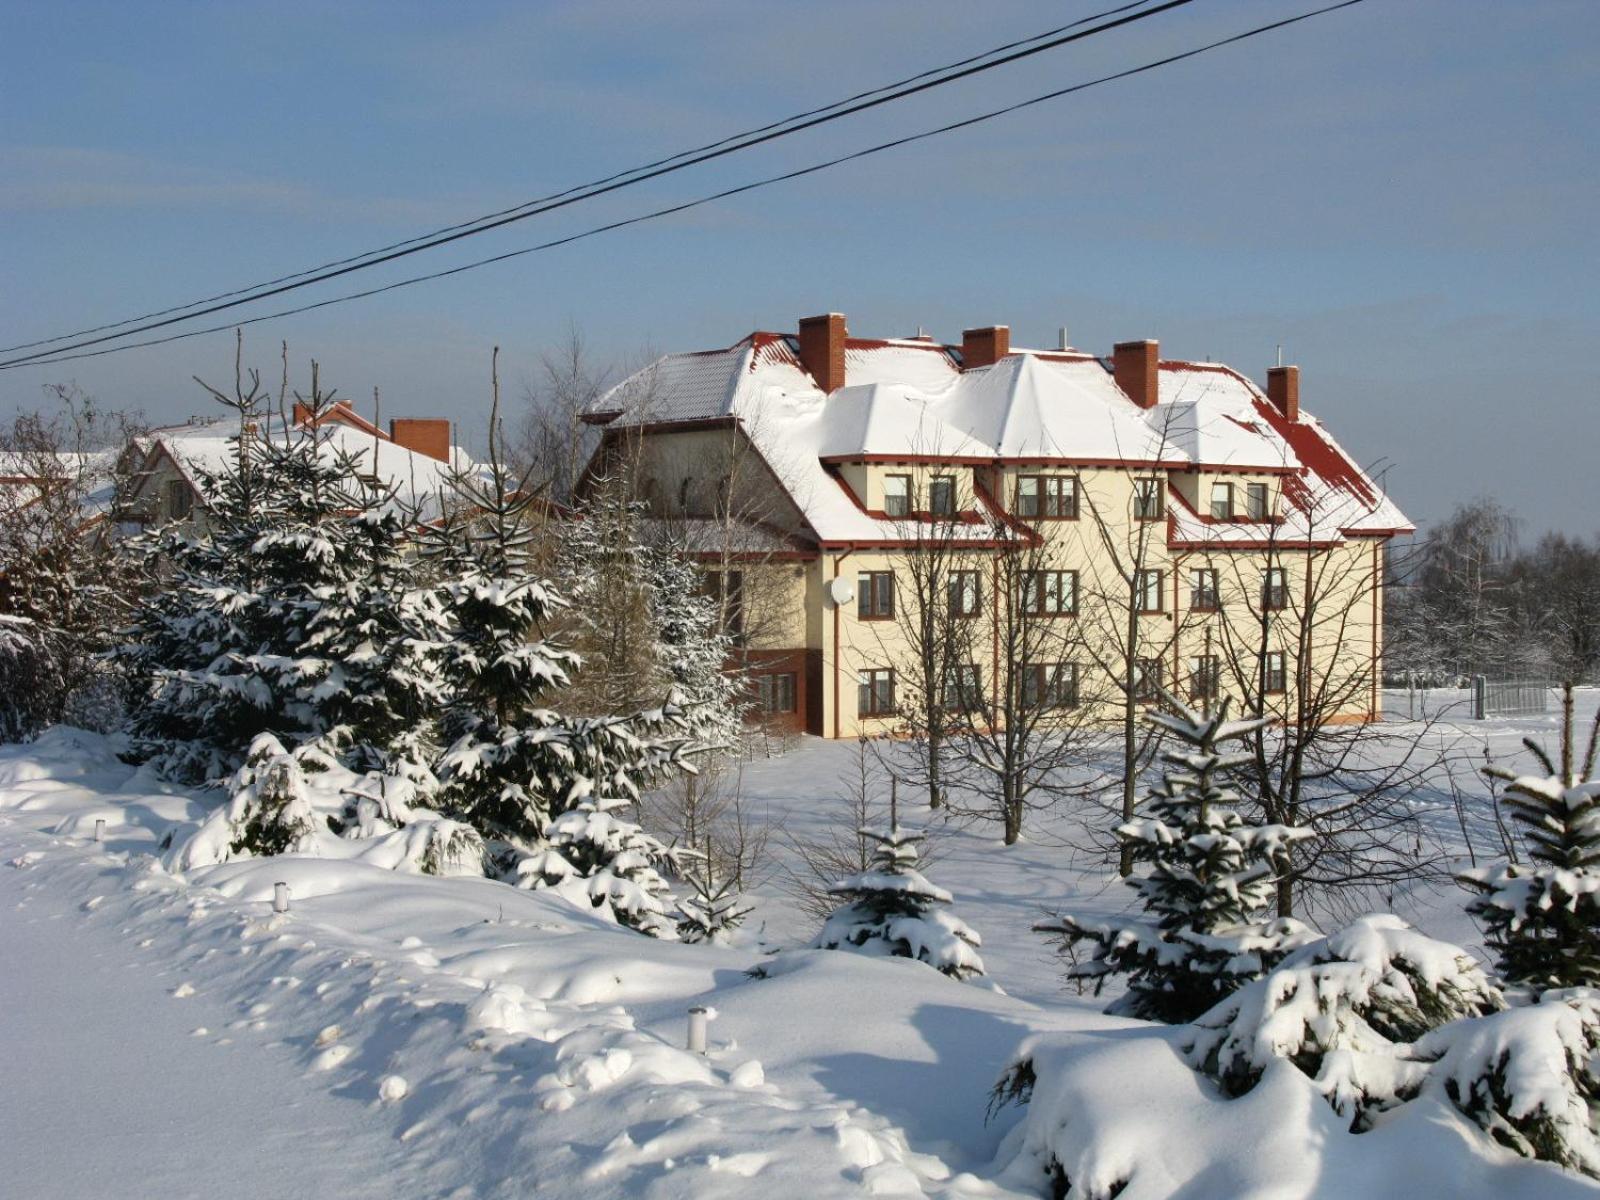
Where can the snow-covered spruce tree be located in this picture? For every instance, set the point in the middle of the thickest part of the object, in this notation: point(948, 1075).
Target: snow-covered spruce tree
point(693, 652)
point(285, 612)
point(514, 762)
point(714, 909)
point(1344, 1010)
point(1210, 883)
point(32, 685)
point(891, 910)
point(613, 862)
point(193, 704)
point(381, 635)
point(1542, 918)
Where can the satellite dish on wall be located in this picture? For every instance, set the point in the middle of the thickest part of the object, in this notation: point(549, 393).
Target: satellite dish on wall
point(841, 591)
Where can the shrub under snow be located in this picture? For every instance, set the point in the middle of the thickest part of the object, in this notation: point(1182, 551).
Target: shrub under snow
point(1529, 1077)
point(595, 853)
point(268, 811)
point(1344, 1010)
point(283, 803)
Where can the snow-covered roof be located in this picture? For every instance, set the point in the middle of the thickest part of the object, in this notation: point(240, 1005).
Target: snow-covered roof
point(418, 480)
point(908, 398)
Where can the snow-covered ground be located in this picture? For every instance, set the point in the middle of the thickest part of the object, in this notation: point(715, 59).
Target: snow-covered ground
point(409, 1035)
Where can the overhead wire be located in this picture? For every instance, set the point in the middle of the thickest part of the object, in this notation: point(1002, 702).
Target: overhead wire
point(1009, 53)
point(669, 210)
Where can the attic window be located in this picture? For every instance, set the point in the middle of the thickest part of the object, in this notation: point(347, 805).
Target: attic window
point(1255, 499)
point(897, 495)
point(180, 500)
point(942, 495)
point(1222, 501)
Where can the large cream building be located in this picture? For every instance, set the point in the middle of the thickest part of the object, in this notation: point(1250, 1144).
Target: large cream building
point(1174, 524)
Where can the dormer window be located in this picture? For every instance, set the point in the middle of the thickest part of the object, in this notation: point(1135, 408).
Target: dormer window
point(897, 495)
point(1222, 501)
point(942, 495)
point(1256, 501)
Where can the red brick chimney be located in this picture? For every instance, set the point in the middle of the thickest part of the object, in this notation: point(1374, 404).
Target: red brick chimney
point(984, 347)
point(1136, 368)
point(424, 435)
point(822, 349)
point(1283, 389)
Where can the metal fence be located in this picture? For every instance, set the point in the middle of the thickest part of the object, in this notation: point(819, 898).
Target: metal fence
point(1509, 697)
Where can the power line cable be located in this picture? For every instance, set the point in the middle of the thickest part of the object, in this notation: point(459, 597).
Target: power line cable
point(678, 162)
point(713, 197)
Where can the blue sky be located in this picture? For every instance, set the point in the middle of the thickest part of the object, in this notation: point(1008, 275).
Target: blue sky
point(1403, 194)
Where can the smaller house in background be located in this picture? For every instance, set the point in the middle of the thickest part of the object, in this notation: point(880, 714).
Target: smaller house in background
point(412, 459)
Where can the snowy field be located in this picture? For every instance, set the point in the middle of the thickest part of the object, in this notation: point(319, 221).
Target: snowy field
point(406, 1035)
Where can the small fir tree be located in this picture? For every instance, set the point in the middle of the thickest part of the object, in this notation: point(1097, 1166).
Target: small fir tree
point(1542, 918)
point(713, 910)
point(1211, 880)
point(892, 910)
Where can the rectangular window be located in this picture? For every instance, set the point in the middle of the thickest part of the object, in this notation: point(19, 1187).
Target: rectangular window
point(1203, 596)
point(875, 694)
point(776, 693)
point(1050, 685)
point(1147, 679)
point(1027, 496)
point(1149, 591)
point(1255, 499)
point(1147, 499)
point(1274, 671)
point(897, 495)
point(1222, 501)
point(875, 595)
point(963, 687)
point(1049, 593)
point(1047, 497)
point(964, 595)
point(1205, 676)
point(1275, 588)
point(942, 495)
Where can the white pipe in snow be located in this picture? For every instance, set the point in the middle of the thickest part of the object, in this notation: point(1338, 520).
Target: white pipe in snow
point(280, 897)
point(99, 829)
point(698, 1017)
